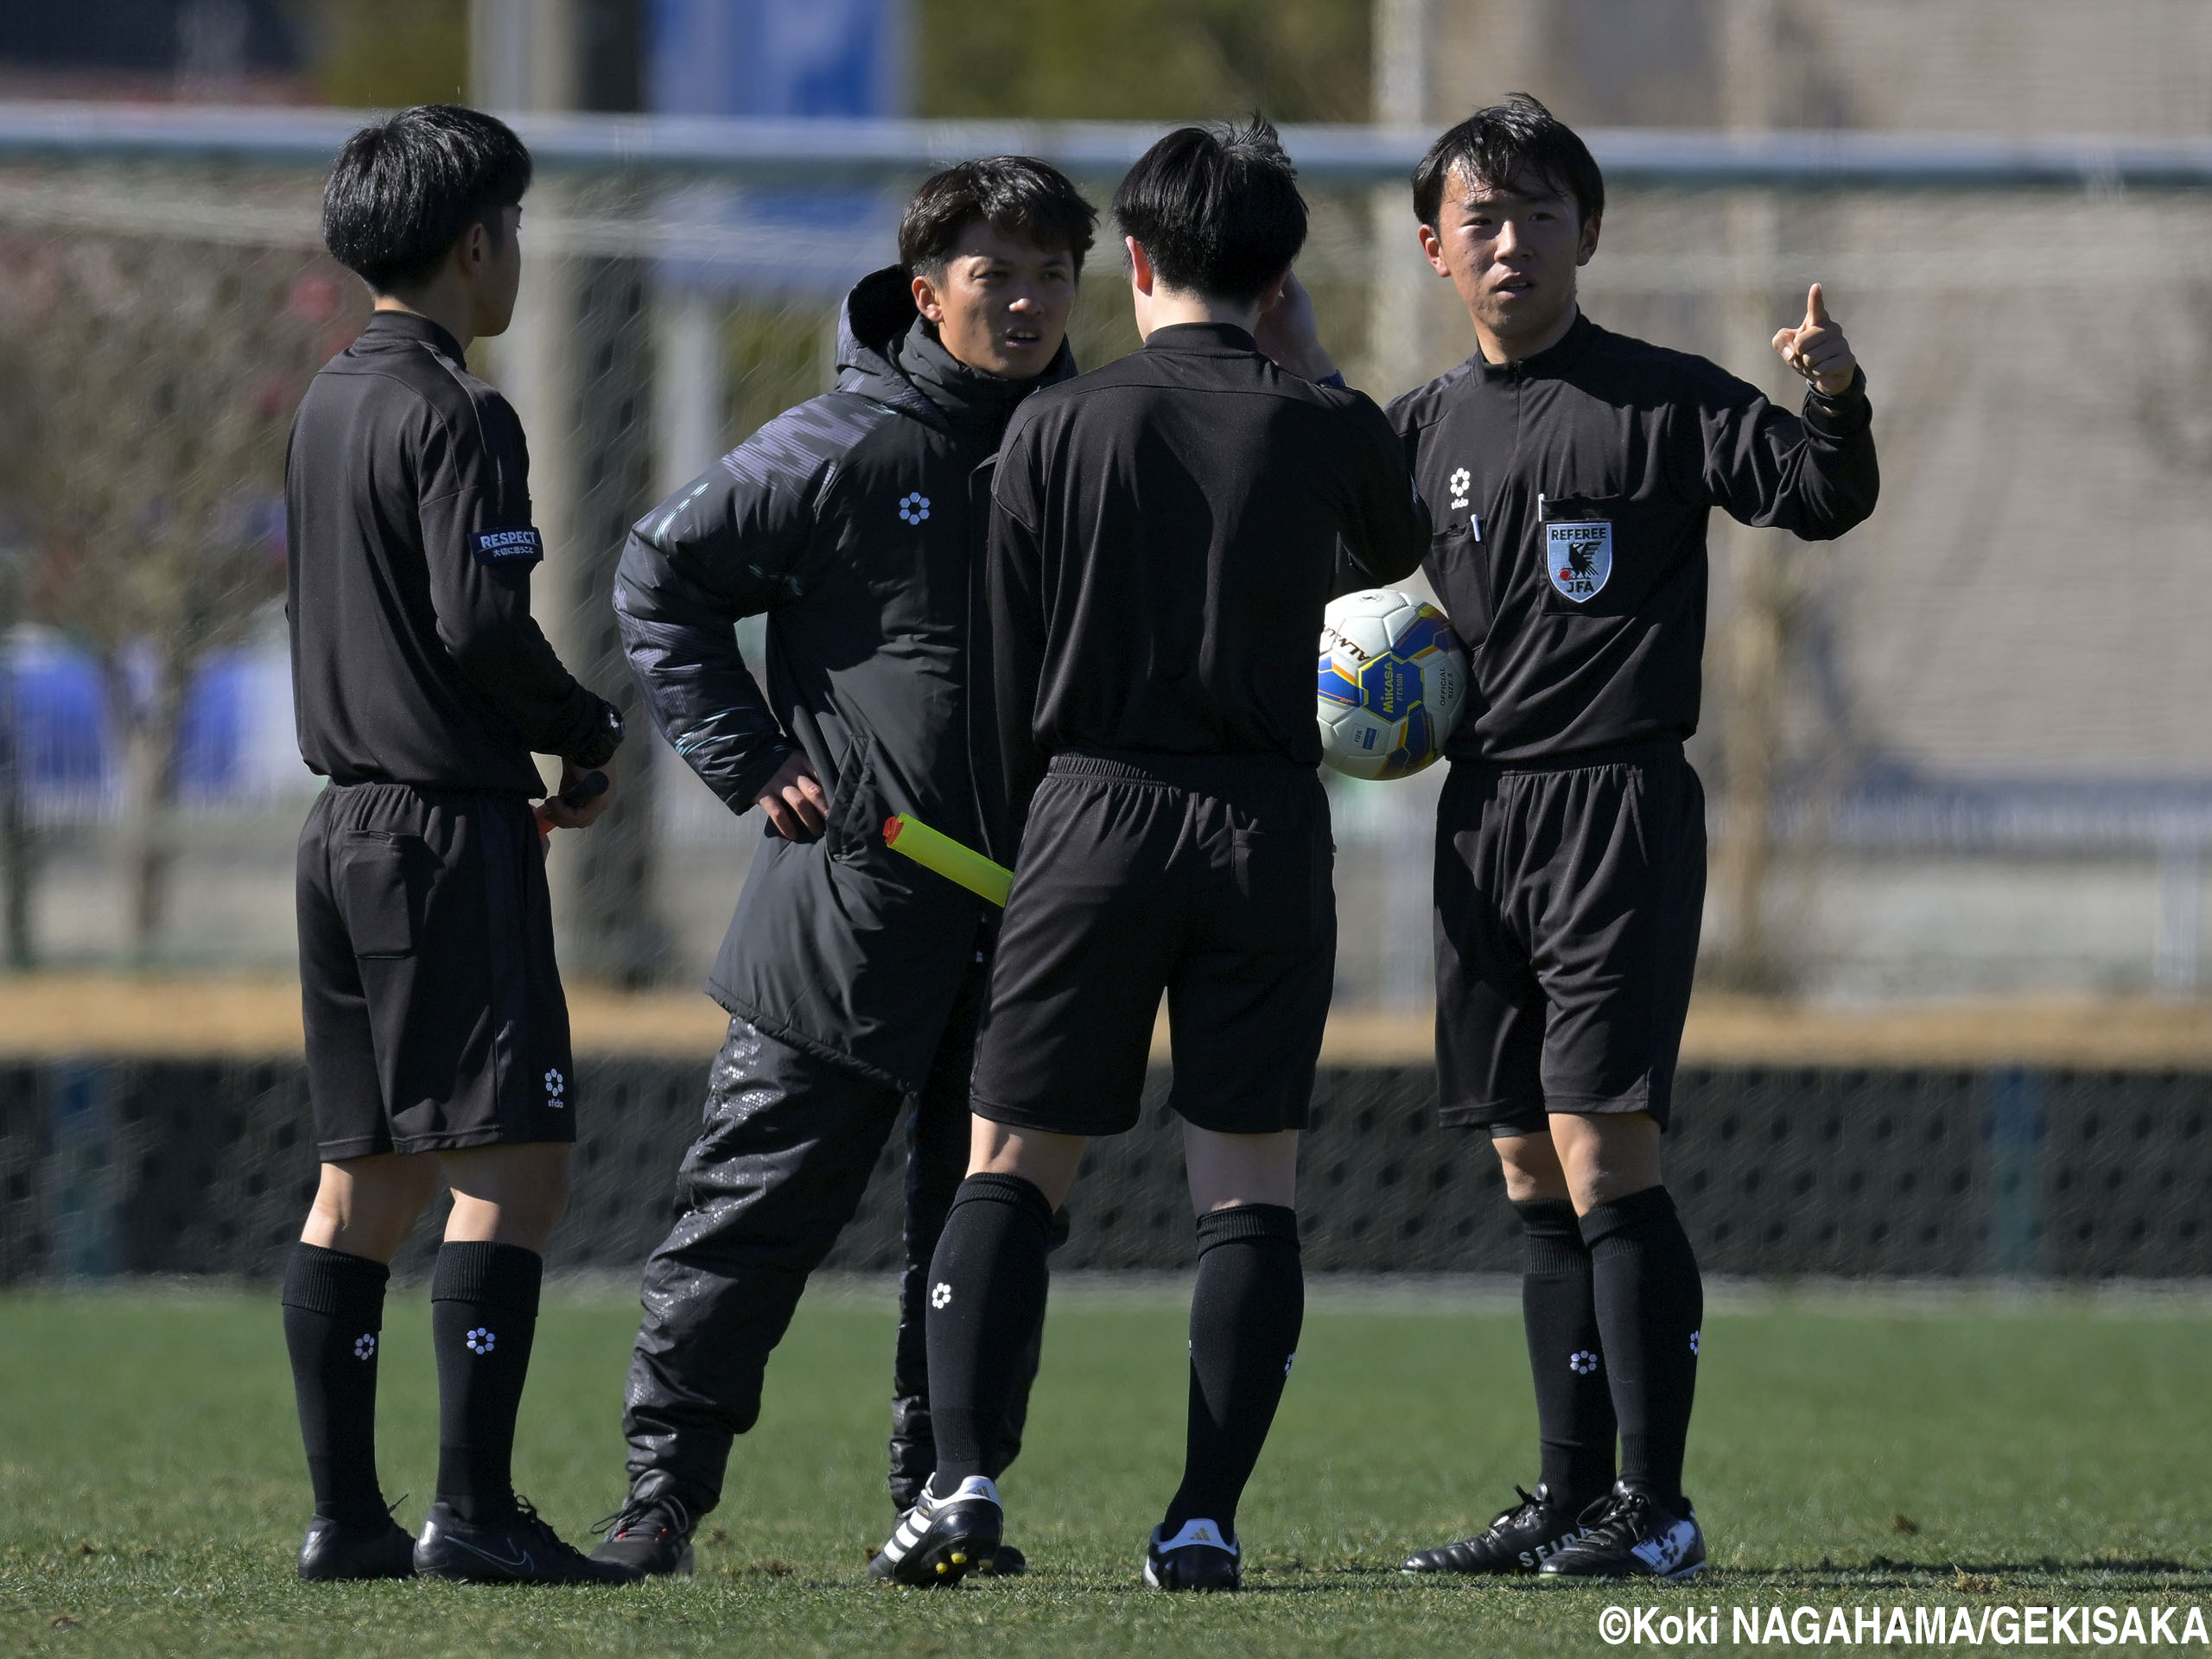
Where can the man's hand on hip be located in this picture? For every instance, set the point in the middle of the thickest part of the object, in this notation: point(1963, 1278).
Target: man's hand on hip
point(794, 801)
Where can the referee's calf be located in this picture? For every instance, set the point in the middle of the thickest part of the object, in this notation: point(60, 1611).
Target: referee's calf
point(437, 1036)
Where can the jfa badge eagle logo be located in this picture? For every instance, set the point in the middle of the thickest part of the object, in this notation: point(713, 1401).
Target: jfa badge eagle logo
point(1579, 556)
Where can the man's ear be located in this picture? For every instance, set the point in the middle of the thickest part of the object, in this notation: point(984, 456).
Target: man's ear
point(472, 251)
point(927, 300)
point(1140, 265)
point(1589, 243)
point(1431, 248)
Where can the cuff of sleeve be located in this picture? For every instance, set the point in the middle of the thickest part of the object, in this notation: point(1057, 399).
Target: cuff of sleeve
point(745, 790)
point(603, 738)
point(1855, 393)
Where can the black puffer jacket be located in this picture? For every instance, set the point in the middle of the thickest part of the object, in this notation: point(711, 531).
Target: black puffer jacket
point(856, 523)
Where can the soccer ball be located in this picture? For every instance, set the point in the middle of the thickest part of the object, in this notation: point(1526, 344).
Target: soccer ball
point(1393, 681)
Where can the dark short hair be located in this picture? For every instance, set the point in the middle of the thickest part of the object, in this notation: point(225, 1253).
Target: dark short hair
point(1492, 145)
point(1015, 196)
point(1217, 210)
point(405, 189)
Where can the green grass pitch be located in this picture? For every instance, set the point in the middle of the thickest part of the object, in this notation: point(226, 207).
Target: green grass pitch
point(1849, 1449)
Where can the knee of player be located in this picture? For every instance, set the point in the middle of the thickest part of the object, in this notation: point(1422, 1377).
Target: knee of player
point(1531, 1166)
point(553, 1188)
point(1608, 1156)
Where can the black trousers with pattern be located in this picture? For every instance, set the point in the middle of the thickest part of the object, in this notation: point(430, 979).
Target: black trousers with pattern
point(777, 1171)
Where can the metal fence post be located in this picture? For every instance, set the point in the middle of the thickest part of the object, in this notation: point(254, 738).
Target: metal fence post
point(2174, 971)
point(2015, 1139)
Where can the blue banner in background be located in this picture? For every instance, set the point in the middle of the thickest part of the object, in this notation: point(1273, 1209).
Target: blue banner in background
point(235, 741)
point(807, 59)
point(779, 57)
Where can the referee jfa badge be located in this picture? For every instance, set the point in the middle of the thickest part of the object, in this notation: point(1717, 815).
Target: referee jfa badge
point(1579, 556)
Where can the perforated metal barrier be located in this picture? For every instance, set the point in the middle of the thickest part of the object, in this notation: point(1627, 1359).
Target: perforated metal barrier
point(181, 1167)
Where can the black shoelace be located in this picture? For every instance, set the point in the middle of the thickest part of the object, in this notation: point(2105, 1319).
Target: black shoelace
point(539, 1529)
point(1619, 1518)
point(1514, 1512)
point(626, 1519)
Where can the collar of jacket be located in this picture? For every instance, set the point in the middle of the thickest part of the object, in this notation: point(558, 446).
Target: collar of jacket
point(1553, 357)
point(964, 393)
point(1202, 339)
point(412, 326)
point(877, 356)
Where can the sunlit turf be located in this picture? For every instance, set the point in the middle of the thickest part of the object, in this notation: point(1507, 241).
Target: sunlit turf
point(1849, 1451)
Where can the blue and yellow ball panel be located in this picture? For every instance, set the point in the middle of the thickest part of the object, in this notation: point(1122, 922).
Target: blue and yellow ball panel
point(1389, 685)
point(1416, 744)
point(1428, 631)
point(1337, 685)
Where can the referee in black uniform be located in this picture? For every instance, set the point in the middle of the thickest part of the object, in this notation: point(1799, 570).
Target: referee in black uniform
point(854, 977)
point(1165, 532)
point(1572, 472)
point(438, 1037)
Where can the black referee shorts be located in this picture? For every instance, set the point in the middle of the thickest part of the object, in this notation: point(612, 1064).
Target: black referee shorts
point(1568, 900)
point(434, 1016)
point(1207, 877)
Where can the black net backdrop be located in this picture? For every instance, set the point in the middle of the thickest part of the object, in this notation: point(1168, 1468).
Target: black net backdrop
point(181, 1167)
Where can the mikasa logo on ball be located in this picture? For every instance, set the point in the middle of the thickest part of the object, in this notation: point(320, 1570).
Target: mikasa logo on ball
point(1397, 686)
point(1579, 556)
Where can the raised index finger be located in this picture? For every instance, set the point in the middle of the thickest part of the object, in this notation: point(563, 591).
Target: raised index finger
point(1816, 309)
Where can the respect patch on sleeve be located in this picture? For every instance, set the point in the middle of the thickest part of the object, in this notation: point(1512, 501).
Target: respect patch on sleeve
point(507, 547)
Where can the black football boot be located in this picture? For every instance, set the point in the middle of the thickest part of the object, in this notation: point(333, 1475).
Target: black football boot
point(1518, 1539)
point(1199, 1557)
point(1625, 1535)
point(650, 1535)
point(335, 1551)
point(941, 1540)
point(517, 1549)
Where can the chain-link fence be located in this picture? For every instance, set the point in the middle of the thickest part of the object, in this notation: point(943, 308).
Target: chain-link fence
point(1960, 750)
point(165, 1166)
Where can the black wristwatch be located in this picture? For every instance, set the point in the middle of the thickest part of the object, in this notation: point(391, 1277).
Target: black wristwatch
point(598, 748)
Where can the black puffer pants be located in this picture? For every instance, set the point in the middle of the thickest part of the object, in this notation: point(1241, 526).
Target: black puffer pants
point(777, 1171)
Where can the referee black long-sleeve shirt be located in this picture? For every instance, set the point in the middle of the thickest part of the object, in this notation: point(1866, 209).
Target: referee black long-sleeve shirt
point(1572, 491)
point(1165, 533)
point(407, 527)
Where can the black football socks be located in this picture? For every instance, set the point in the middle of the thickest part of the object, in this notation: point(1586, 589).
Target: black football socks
point(1245, 1314)
point(334, 1320)
point(986, 1304)
point(1651, 1304)
point(483, 1316)
point(1574, 1402)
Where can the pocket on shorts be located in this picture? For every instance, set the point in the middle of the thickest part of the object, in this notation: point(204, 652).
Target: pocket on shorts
point(1284, 870)
point(382, 884)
